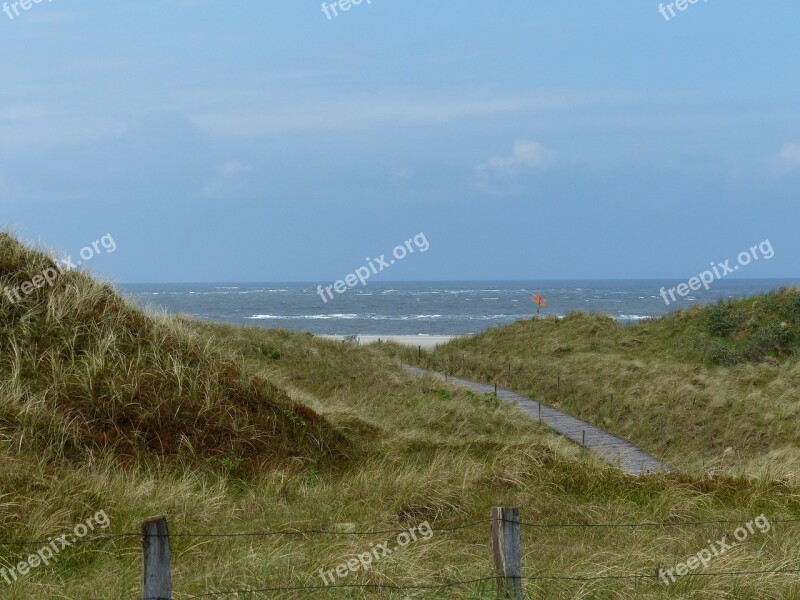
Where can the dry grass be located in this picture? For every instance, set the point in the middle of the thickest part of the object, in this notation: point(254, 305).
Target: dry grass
point(418, 450)
point(83, 371)
point(715, 389)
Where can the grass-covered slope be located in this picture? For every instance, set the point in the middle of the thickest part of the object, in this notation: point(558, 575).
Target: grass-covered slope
point(432, 451)
point(425, 451)
point(717, 386)
point(82, 370)
point(763, 328)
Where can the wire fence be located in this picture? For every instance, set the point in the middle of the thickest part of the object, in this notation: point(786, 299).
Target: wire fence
point(334, 532)
point(379, 586)
point(163, 538)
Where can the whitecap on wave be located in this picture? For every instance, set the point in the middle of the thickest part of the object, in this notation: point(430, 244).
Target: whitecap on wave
point(332, 316)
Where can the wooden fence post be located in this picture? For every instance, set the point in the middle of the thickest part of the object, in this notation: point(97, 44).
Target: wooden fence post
point(505, 548)
point(156, 575)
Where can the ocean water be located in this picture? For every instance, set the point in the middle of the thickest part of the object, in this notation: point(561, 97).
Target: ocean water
point(433, 308)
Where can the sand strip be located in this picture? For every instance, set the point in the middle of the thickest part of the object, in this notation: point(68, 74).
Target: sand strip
point(426, 341)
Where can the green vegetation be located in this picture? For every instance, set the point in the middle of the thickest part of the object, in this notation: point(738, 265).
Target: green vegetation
point(714, 388)
point(226, 429)
point(84, 372)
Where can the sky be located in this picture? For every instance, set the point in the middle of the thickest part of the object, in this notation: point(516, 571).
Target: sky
point(265, 141)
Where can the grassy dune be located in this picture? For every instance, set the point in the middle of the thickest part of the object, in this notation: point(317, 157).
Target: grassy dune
point(439, 453)
point(715, 387)
point(84, 372)
point(231, 430)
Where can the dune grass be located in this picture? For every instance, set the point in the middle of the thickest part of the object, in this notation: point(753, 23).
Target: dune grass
point(82, 371)
point(712, 388)
point(421, 451)
point(350, 442)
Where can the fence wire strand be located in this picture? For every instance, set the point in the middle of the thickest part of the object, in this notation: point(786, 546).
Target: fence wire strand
point(389, 586)
point(423, 587)
point(309, 532)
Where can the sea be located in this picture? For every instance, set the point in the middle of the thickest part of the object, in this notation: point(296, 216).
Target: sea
point(426, 308)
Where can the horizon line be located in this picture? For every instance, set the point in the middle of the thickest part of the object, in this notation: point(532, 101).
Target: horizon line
point(408, 281)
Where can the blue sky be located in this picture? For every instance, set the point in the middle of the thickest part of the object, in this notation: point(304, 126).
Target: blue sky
point(261, 141)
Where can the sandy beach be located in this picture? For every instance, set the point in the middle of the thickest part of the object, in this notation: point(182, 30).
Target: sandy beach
point(426, 341)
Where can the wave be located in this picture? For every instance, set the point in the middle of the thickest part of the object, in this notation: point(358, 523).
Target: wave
point(332, 316)
point(376, 317)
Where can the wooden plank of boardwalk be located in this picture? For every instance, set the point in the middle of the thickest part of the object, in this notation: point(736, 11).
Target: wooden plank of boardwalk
point(615, 450)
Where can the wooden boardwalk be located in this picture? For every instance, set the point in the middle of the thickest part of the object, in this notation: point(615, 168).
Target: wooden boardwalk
point(622, 453)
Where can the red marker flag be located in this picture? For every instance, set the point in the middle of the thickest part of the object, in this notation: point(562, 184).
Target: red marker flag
point(540, 302)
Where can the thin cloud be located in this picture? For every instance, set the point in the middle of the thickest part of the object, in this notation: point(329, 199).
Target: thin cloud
point(228, 180)
point(789, 156)
point(527, 154)
point(233, 168)
point(397, 109)
point(504, 174)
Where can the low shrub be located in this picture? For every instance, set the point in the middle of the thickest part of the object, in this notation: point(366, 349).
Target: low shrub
point(775, 338)
point(723, 319)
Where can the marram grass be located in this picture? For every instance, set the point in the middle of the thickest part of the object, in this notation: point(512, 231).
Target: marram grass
point(714, 389)
point(289, 432)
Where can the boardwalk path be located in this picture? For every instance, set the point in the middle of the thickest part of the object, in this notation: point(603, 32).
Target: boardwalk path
point(611, 448)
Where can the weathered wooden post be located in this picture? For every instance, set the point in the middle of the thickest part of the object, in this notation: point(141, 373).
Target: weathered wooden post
point(156, 575)
point(505, 548)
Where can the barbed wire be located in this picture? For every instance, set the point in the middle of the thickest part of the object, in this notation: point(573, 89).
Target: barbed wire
point(309, 532)
point(422, 587)
point(384, 586)
point(650, 524)
point(548, 577)
point(297, 532)
point(99, 538)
